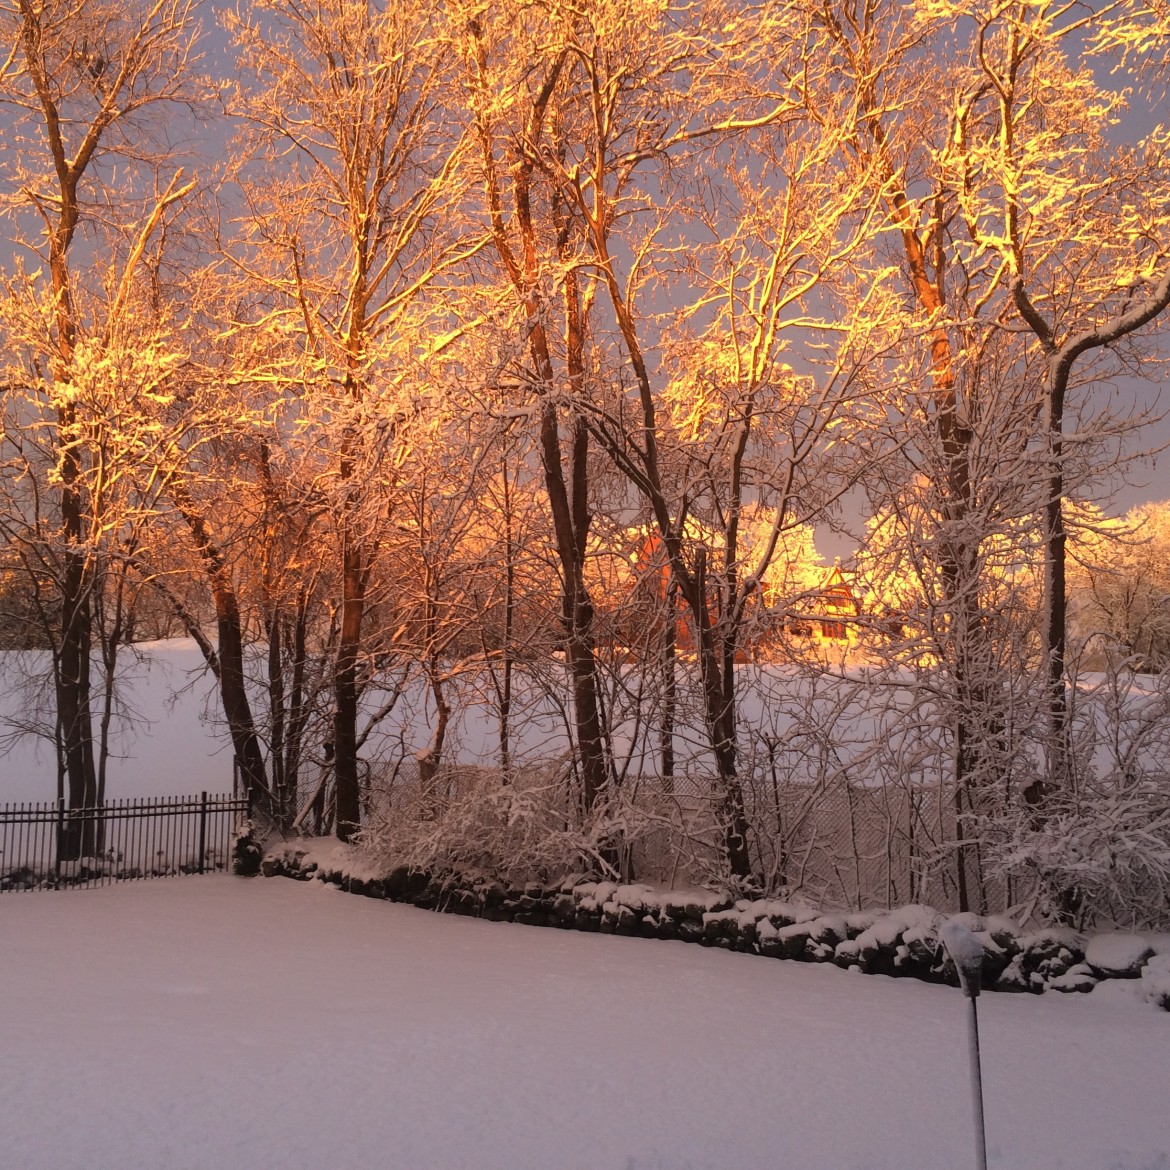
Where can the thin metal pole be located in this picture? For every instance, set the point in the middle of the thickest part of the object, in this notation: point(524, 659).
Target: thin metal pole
point(202, 829)
point(977, 1084)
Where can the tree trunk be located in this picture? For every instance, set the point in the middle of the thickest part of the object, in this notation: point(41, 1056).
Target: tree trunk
point(567, 494)
point(73, 678)
point(298, 712)
point(431, 760)
point(347, 790)
point(1060, 360)
point(274, 623)
point(668, 651)
point(233, 691)
point(577, 608)
point(717, 671)
point(1055, 602)
point(505, 717)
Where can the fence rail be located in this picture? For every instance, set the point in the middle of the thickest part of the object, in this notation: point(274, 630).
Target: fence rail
point(49, 846)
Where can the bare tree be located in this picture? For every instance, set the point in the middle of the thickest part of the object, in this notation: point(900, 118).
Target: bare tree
point(83, 81)
point(352, 165)
point(986, 141)
point(1085, 238)
point(717, 418)
point(515, 73)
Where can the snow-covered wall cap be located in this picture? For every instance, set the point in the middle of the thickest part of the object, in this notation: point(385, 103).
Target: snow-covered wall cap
point(967, 952)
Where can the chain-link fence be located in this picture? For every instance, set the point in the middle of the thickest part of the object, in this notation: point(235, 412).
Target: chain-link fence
point(836, 843)
point(848, 790)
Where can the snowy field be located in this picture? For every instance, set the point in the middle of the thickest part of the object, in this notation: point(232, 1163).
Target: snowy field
point(170, 740)
point(220, 1023)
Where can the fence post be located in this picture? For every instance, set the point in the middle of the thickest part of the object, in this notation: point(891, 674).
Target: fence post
point(60, 838)
point(202, 829)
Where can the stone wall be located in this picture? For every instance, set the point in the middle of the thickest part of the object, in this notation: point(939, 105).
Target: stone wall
point(902, 942)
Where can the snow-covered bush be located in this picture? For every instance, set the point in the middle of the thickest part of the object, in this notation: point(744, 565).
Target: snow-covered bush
point(1098, 851)
point(486, 825)
point(1155, 981)
point(1102, 856)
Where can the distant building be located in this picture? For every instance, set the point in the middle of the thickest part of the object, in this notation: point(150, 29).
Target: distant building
point(838, 606)
point(828, 612)
point(637, 606)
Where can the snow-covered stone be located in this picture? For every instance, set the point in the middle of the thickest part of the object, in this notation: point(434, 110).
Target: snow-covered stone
point(1048, 954)
point(828, 930)
point(1118, 956)
point(904, 941)
point(640, 898)
point(1015, 978)
point(792, 940)
point(858, 922)
point(1078, 977)
point(845, 954)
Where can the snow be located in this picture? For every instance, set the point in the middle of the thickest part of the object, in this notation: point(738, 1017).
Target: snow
point(885, 930)
point(215, 1023)
point(1079, 977)
point(170, 739)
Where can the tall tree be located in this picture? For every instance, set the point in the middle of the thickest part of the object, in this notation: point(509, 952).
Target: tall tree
point(516, 59)
point(892, 65)
point(1081, 222)
point(721, 415)
point(83, 80)
point(352, 166)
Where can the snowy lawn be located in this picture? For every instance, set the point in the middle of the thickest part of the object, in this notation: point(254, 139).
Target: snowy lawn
point(220, 1023)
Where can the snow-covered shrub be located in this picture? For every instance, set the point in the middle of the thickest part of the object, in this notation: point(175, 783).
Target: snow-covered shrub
point(511, 829)
point(1095, 856)
point(1098, 850)
point(1117, 955)
point(1155, 981)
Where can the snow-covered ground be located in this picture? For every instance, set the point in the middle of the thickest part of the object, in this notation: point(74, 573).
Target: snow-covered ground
point(217, 1023)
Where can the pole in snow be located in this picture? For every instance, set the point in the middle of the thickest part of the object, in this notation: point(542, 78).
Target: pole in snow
point(966, 952)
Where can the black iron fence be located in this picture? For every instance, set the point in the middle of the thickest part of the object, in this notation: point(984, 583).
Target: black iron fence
point(49, 846)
